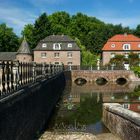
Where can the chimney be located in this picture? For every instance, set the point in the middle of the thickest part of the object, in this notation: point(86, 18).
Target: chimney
point(125, 34)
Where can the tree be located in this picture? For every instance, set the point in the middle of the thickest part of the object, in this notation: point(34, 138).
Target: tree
point(137, 31)
point(41, 29)
point(8, 39)
point(59, 22)
point(28, 33)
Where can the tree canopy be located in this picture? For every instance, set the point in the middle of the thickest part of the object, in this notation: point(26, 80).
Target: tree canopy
point(8, 39)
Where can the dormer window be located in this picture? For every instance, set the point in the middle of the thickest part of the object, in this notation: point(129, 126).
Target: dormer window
point(57, 46)
point(126, 47)
point(112, 45)
point(69, 45)
point(44, 45)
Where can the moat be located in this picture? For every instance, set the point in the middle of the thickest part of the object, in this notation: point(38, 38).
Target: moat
point(80, 108)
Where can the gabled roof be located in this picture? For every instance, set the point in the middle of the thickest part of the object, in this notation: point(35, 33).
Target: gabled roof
point(119, 40)
point(57, 38)
point(8, 55)
point(24, 48)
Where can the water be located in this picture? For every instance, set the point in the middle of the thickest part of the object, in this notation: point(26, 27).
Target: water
point(80, 109)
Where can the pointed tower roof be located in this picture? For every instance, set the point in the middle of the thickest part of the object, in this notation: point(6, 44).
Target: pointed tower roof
point(24, 48)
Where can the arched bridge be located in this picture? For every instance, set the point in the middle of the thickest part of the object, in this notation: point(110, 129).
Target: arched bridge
point(108, 75)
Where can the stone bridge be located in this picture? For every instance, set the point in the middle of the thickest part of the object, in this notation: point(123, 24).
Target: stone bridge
point(108, 75)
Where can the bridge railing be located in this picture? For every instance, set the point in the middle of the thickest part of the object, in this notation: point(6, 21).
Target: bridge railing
point(15, 75)
point(78, 67)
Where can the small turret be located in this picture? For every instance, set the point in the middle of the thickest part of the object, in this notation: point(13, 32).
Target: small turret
point(24, 53)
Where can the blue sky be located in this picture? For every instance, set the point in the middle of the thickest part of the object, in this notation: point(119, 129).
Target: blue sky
point(17, 13)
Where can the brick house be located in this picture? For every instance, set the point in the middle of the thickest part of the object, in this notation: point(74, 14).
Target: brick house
point(57, 49)
point(24, 54)
point(121, 44)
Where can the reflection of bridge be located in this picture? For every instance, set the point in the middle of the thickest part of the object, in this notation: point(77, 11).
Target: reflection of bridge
point(108, 93)
point(109, 75)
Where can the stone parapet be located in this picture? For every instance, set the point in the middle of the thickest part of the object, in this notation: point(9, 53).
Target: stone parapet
point(121, 122)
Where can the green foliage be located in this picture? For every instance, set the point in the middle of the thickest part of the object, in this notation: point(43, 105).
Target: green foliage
point(8, 39)
point(91, 32)
point(136, 70)
point(133, 59)
point(41, 29)
point(88, 58)
point(28, 33)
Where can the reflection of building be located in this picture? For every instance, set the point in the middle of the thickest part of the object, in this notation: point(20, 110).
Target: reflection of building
point(57, 49)
point(134, 107)
point(120, 44)
point(23, 54)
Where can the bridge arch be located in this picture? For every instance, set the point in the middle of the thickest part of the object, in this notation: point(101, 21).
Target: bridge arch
point(121, 80)
point(80, 81)
point(101, 80)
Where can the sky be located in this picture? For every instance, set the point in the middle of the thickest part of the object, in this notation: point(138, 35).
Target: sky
point(18, 13)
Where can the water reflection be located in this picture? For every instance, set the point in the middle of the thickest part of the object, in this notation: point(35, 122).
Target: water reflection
point(83, 105)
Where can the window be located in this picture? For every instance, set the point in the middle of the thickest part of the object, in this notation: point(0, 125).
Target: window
point(56, 55)
point(112, 55)
point(44, 45)
point(56, 63)
point(126, 106)
point(138, 45)
point(69, 45)
point(139, 55)
point(43, 55)
point(57, 46)
point(113, 46)
point(126, 47)
point(126, 55)
point(69, 63)
point(69, 54)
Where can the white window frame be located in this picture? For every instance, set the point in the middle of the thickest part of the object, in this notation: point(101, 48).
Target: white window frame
point(57, 47)
point(69, 45)
point(43, 56)
point(113, 55)
point(69, 54)
point(44, 45)
point(113, 45)
point(126, 47)
point(56, 56)
point(138, 45)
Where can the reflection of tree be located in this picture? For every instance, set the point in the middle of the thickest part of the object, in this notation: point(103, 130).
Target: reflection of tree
point(89, 111)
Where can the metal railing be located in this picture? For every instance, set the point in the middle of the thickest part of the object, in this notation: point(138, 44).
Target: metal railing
point(15, 75)
point(75, 67)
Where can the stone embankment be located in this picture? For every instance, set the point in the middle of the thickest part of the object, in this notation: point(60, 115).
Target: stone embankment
point(121, 122)
point(77, 136)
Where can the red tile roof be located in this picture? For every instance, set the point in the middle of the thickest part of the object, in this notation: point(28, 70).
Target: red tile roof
point(120, 40)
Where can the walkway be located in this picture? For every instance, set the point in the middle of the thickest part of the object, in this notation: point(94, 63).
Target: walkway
point(77, 136)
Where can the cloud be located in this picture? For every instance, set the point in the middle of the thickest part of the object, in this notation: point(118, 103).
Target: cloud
point(16, 18)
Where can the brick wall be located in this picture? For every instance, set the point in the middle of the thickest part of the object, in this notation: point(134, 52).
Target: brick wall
point(24, 57)
point(62, 58)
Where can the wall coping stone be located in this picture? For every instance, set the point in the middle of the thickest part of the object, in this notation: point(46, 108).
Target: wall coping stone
point(118, 109)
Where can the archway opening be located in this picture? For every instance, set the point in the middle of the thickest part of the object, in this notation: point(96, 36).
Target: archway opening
point(80, 81)
point(101, 81)
point(121, 81)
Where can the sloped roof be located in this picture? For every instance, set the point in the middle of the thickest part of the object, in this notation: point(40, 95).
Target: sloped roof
point(64, 40)
point(8, 55)
point(58, 38)
point(24, 48)
point(124, 37)
point(120, 40)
